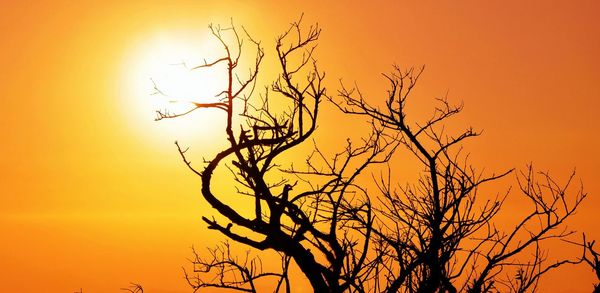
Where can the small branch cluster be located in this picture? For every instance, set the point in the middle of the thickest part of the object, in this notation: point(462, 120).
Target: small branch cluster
point(223, 270)
point(134, 288)
point(590, 257)
point(236, 85)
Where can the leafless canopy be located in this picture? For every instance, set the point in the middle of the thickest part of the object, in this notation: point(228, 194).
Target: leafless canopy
point(435, 235)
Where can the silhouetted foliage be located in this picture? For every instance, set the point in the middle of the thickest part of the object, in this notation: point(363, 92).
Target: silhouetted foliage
point(438, 234)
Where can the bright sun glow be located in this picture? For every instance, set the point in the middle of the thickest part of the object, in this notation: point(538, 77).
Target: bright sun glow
point(158, 76)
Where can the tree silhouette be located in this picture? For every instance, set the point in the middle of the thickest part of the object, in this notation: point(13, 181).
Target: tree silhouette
point(438, 234)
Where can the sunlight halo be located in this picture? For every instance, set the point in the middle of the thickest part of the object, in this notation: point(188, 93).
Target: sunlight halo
point(158, 76)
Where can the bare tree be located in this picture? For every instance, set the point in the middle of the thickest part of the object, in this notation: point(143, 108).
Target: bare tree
point(435, 235)
point(438, 235)
point(303, 226)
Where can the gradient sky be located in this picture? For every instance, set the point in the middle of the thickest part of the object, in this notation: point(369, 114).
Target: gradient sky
point(93, 194)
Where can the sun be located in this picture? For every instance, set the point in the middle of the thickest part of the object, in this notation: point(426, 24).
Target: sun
point(158, 76)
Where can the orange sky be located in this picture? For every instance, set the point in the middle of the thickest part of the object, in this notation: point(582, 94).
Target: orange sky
point(93, 194)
